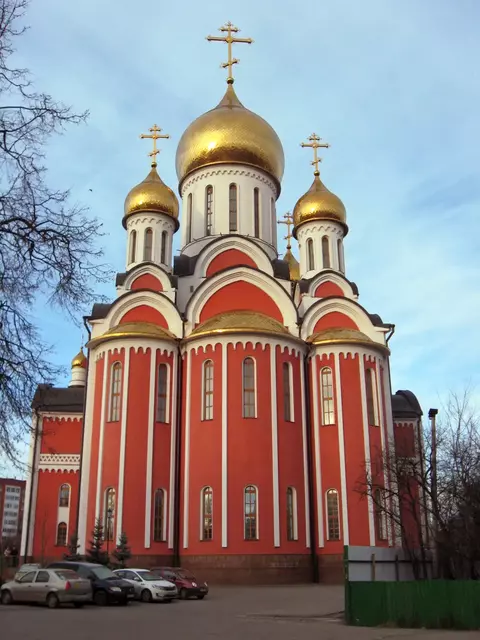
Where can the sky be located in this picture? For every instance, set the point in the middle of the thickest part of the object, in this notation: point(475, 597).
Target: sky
point(392, 86)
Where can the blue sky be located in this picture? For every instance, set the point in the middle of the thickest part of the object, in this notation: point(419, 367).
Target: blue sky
point(393, 86)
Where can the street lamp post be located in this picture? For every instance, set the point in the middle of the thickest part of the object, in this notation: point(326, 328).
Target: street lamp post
point(109, 526)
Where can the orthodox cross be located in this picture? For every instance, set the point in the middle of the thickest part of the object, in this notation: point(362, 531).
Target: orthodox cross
point(288, 220)
point(230, 39)
point(154, 135)
point(314, 143)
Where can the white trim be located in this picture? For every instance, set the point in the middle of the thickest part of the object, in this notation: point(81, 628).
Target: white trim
point(318, 477)
point(386, 479)
point(164, 509)
point(173, 448)
point(86, 454)
point(224, 446)
point(394, 529)
point(273, 394)
point(103, 418)
point(257, 513)
point(366, 445)
point(294, 512)
point(305, 456)
point(150, 436)
point(341, 449)
point(245, 245)
point(186, 478)
point(123, 442)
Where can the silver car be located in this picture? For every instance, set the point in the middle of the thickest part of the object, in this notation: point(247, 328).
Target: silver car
point(148, 586)
point(47, 586)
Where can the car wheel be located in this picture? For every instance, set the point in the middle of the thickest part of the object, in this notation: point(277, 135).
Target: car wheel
point(100, 598)
point(200, 597)
point(7, 597)
point(52, 601)
point(78, 605)
point(146, 596)
point(183, 594)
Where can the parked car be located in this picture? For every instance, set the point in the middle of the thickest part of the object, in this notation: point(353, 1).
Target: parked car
point(47, 586)
point(107, 588)
point(148, 586)
point(186, 583)
point(25, 568)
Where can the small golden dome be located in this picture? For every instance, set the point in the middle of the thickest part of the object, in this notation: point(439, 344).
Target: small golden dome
point(239, 321)
point(293, 265)
point(319, 204)
point(133, 330)
point(232, 134)
point(340, 335)
point(79, 360)
point(151, 195)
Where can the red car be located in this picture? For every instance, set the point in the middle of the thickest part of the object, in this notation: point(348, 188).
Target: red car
point(186, 583)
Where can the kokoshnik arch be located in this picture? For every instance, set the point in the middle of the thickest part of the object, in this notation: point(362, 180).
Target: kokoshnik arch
point(229, 398)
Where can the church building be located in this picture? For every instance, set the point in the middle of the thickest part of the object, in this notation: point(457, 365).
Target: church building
point(229, 399)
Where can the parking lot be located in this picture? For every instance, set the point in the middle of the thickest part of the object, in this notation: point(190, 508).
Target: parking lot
point(258, 613)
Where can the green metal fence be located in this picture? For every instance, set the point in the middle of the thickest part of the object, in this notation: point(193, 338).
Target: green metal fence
point(433, 604)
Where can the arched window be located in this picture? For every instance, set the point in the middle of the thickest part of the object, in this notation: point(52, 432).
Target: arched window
point(208, 210)
point(256, 212)
point(207, 513)
point(163, 249)
point(292, 525)
point(371, 392)
point(189, 217)
point(251, 512)
point(380, 514)
point(115, 391)
point(162, 382)
point(325, 252)
point(287, 391)
point(310, 256)
point(326, 388)
point(159, 520)
point(273, 215)
point(341, 259)
point(249, 392)
point(62, 534)
point(333, 517)
point(133, 246)
point(232, 208)
point(207, 409)
point(64, 496)
point(148, 244)
point(109, 516)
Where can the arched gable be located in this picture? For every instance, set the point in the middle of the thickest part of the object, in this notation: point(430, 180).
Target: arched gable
point(240, 295)
point(136, 275)
point(257, 256)
point(335, 281)
point(334, 319)
point(327, 289)
point(144, 313)
point(146, 281)
point(229, 258)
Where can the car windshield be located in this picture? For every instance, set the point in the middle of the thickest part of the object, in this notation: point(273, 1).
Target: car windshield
point(182, 573)
point(149, 576)
point(103, 573)
point(67, 574)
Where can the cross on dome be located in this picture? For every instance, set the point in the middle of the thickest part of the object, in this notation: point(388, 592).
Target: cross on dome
point(288, 220)
point(154, 136)
point(315, 144)
point(229, 29)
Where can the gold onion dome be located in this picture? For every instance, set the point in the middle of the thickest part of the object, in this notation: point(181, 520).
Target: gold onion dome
point(79, 360)
point(319, 204)
point(231, 134)
point(151, 195)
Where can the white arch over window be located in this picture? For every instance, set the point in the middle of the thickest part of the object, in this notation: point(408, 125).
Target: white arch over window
point(250, 512)
point(380, 514)
point(133, 245)
point(371, 397)
point(163, 248)
point(333, 514)
point(163, 386)
point(287, 391)
point(233, 208)
point(160, 515)
point(207, 390)
point(115, 391)
point(310, 255)
point(148, 245)
point(64, 495)
point(189, 217)
point(109, 509)
point(326, 396)
point(341, 257)
point(61, 539)
point(206, 513)
point(249, 387)
point(256, 212)
point(292, 516)
point(209, 210)
point(326, 262)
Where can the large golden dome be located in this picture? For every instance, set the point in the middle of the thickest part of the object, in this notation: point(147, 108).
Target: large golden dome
point(319, 204)
point(232, 134)
point(151, 195)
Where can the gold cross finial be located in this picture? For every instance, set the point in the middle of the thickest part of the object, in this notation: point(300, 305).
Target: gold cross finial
point(314, 143)
point(154, 135)
point(229, 29)
point(288, 220)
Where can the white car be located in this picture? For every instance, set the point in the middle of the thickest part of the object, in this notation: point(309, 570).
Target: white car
point(148, 586)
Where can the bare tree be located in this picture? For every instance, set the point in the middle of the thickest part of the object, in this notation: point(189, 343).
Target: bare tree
point(47, 246)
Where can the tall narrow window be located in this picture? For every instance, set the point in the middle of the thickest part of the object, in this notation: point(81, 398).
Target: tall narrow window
point(341, 259)
point(287, 391)
point(310, 257)
point(162, 393)
point(292, 532)
point(325, 253)
point(109, 516)
point(380, 514)
point(159, 516)
point(328, 407)
point(115, 393)
point(189, 217)
point(208, 210)
point(370, 388)
point(207, 513)
point(249, 399)
point(232, 208)
point(251, 515)
point(273, 215)
point(64, 496)
point(333, 515)
point(207, 412)
point(163, 249)
point(256, 212)
point(133, 246)
point(62, 534)
point(148, 244)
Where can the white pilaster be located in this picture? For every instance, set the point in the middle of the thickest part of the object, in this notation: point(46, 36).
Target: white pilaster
point(86, 453)
point(273, 395)
point(149, 461)
point(123, 442)
point(31, 488)
point(305, 454)
point(186, 478)
point(224, 445)
point(394, 528)
point(173, 450)
point(381, 413)
point(366, 444)
point(341, 449)
point(316, 433)
point(103, 418)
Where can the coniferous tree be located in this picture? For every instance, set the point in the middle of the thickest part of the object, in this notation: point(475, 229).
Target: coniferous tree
point(72, 553)
point(122, 552)
point(96, 553)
